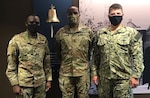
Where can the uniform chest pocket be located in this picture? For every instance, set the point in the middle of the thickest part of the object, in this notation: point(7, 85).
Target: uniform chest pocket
point(123, 45)
point(65, 41)
point(83, 42)
point(123, 42)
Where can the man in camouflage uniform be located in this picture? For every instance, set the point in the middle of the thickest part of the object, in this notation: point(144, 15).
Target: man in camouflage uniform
point(28, 67)
point(118, 57)
point(73, 49)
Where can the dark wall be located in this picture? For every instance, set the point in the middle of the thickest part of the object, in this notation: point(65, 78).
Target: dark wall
point(146, 73)
point(12, 19)
point(42, 11)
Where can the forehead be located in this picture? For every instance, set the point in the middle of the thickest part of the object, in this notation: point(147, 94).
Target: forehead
point(116, 11)
point(33, 18)
point(73, 9)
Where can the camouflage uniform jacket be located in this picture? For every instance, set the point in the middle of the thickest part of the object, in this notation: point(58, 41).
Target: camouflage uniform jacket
point(28, 60)
point(118, 55)
point(73, 49)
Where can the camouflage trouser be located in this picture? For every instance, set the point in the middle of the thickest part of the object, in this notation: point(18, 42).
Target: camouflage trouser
point(68, 85)
point(33, 92)
point(112, 88)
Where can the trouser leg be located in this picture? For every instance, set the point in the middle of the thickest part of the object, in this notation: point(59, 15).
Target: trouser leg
point(83, 85)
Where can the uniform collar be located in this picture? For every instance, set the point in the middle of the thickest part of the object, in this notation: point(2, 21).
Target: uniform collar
point(78, 29)
point(107, 30)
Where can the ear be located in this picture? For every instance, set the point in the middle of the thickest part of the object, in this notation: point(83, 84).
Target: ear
point(26, 24)
point(79, 14)
point(108, 16)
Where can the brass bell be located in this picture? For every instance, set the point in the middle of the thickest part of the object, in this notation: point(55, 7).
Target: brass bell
point(52, 16)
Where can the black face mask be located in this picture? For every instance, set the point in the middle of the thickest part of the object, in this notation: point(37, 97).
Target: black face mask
point(115, 20)
point(33, 28)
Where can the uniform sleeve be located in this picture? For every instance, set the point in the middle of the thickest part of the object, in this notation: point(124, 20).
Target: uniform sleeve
point(95, 57)
point(12, 60)
point(47, 64)
point(58, 45)
point(91, 44)
point(137, 54)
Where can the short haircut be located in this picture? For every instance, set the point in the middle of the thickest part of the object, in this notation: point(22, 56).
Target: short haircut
point(115, 6)
point(72, 7)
